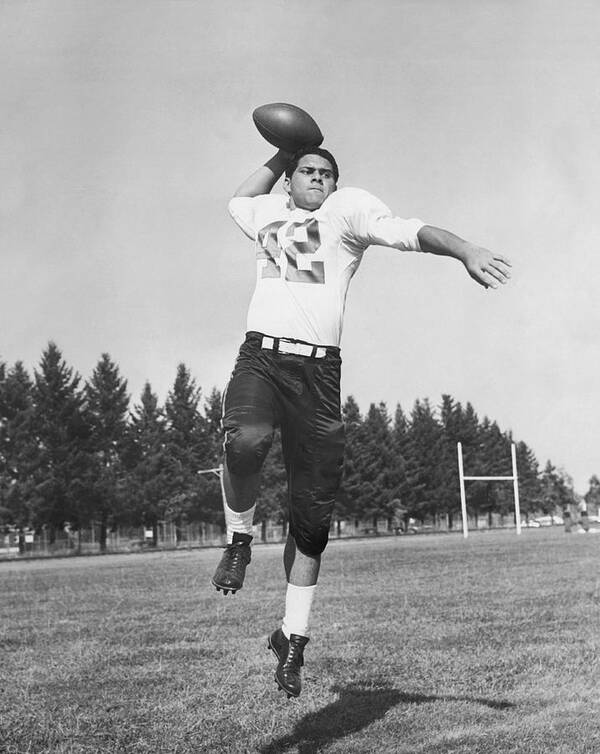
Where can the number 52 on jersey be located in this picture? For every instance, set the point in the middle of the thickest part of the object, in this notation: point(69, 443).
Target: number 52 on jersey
point(298, 239)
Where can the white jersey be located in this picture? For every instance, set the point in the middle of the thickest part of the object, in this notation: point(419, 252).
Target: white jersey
point(306, 259)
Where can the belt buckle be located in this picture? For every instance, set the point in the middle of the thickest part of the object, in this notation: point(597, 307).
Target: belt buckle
point(293, 348)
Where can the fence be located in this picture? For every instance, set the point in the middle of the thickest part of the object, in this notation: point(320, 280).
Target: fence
point(15, 544)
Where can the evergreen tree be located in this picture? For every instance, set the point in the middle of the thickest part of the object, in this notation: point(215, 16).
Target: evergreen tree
point(494, 460)
point(18, 449)
point(187, 444)
point(211, 499)
point(530, 488)
point(107, 409)
point(147, 463)
point(404, 469)
point(454, 430)
point(427, 448)
point(63, 433)
point(468, 428)
point(214, 428)
point(475, 459)
point(379, 487)
point(4, 480)
point(347, 502)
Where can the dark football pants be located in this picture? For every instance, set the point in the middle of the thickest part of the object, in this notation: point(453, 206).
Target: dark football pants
point(301, 395)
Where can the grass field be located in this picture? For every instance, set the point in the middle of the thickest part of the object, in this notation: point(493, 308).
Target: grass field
point(428, 644)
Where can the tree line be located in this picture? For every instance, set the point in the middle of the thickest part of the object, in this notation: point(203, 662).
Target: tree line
point(79, 454)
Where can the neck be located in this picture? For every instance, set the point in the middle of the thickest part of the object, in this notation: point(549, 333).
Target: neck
point(293, 206)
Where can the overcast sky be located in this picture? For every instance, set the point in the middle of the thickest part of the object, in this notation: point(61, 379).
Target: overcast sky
point(125, 127)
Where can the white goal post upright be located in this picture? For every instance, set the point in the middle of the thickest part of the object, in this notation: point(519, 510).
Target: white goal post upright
point(218, 471)
point(463, 497)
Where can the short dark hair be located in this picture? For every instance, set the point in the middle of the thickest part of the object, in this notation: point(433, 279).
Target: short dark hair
point(303, 151)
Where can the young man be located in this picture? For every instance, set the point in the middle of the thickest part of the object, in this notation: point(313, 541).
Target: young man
point(308, 246)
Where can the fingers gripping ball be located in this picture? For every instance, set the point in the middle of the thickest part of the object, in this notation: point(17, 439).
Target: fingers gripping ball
point(286, 126)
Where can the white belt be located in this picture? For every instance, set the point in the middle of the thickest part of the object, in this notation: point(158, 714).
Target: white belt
point(298, 349)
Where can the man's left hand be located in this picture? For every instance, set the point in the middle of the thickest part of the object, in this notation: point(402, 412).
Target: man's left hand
point(486, 268)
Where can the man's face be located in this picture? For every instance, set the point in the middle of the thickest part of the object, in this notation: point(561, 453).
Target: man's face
point(311, 182)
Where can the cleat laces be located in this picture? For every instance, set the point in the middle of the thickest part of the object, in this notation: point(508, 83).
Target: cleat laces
point(235, 555)
point(295, 656)
point(231, 571)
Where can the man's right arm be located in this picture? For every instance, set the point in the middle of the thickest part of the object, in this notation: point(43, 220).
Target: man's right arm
point(263, 179)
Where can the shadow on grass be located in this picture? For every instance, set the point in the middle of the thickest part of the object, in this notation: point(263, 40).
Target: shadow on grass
point(356, 707)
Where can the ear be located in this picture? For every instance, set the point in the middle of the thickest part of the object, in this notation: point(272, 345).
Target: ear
point(286, 185)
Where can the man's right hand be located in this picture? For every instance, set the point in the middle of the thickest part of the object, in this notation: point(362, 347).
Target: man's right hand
point(263, 179)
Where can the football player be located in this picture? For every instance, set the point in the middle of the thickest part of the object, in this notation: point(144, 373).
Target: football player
point(309, 242)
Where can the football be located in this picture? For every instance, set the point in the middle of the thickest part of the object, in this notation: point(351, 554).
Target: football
point(286, 126)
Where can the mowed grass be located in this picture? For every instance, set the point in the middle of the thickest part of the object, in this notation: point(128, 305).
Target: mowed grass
point(419, 644)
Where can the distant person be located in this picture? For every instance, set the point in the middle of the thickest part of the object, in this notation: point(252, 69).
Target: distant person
point(309, 243)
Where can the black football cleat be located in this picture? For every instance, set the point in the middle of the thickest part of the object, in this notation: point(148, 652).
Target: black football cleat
point(231, 571)
point(290, 656)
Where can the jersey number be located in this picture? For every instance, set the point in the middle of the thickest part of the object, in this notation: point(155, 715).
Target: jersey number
point(270, 250)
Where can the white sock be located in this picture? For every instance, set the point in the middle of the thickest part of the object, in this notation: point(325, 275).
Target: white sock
point(238, 521)
point(298, 602)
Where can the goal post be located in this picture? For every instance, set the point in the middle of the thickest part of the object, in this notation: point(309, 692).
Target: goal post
point(218, 471)
point(463, 496)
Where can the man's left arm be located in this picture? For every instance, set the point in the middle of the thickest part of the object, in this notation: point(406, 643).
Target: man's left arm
point(485, 267)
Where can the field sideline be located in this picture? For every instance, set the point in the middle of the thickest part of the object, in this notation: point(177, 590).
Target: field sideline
point(419, 645)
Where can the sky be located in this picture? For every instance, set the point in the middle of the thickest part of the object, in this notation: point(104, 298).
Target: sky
point(126, 126)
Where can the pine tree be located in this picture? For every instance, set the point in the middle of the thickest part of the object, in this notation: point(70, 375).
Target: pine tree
point(530, 487)
point(147, 463)
point(63, 433)
point(403, 471)
point(5, 513)
point(214, 428)
point(187, 443)
point(18, 448)
point(427, 448)
point(475, 460)
point(347, 502)
point(211, 500)
point(453, 431)
point(107, 409)
point(494, 459)
point(376, 465)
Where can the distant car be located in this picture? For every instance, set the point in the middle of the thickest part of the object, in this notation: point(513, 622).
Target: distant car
point(415, 528)
point(549, 520)
point(411, 529)
point(531, 524)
